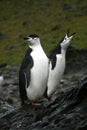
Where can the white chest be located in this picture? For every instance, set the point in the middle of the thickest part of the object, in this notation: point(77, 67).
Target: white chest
point(40, 61)
point(39, 75)
point(57, 72)
point(55, 75)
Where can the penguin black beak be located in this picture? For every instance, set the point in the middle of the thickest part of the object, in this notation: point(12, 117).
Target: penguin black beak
point(73, 34)
point(68, 32)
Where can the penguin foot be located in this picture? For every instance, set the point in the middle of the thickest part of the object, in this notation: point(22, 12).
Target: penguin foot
point(36, 104)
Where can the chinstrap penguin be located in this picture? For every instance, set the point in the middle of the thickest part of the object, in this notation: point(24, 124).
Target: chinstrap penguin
point(57, 65)
point(33, 73)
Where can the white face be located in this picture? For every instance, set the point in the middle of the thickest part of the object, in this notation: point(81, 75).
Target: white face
point(66, 42)
point(33, 39)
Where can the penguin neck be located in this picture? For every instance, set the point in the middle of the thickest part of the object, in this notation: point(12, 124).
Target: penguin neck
point(63, 52)
point(36, 47)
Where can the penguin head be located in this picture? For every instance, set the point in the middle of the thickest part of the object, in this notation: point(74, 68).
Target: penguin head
point(66, 40)
point(33, 39)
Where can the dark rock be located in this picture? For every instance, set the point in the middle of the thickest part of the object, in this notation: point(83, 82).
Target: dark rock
point(67, 112)
point(83, 89)
point(9, 100)
point(76, 60)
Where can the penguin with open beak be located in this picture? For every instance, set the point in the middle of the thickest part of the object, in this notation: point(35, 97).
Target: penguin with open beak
point(57, 64)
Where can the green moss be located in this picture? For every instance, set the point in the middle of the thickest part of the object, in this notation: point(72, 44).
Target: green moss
point(19, 18)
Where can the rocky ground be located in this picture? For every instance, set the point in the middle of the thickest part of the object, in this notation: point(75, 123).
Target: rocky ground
point(10, 100)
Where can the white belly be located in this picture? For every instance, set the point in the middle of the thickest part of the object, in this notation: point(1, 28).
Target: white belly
point(39, 76)
point(55, 75)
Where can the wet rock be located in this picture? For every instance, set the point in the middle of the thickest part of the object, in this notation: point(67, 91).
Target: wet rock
point(9, 89)
point(75, 60)
point(67, 112)
point(83, 89)
point(9, 100)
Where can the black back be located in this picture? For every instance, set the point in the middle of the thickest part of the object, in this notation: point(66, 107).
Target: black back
point(24, 75)
point(54, 52)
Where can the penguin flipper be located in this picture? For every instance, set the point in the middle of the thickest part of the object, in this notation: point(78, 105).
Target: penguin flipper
point(22, 89)
point(24, 75)
point(53, 62)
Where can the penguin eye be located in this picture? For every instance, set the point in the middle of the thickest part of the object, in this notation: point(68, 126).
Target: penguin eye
point(65, 38)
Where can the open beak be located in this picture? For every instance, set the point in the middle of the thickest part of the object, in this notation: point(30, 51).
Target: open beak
point(68, 32)
point(73, 33)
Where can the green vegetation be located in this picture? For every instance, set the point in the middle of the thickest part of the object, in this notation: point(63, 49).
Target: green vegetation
point(50, 19)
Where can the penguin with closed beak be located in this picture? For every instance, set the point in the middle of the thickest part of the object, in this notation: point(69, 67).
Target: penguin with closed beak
point(33, 73)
